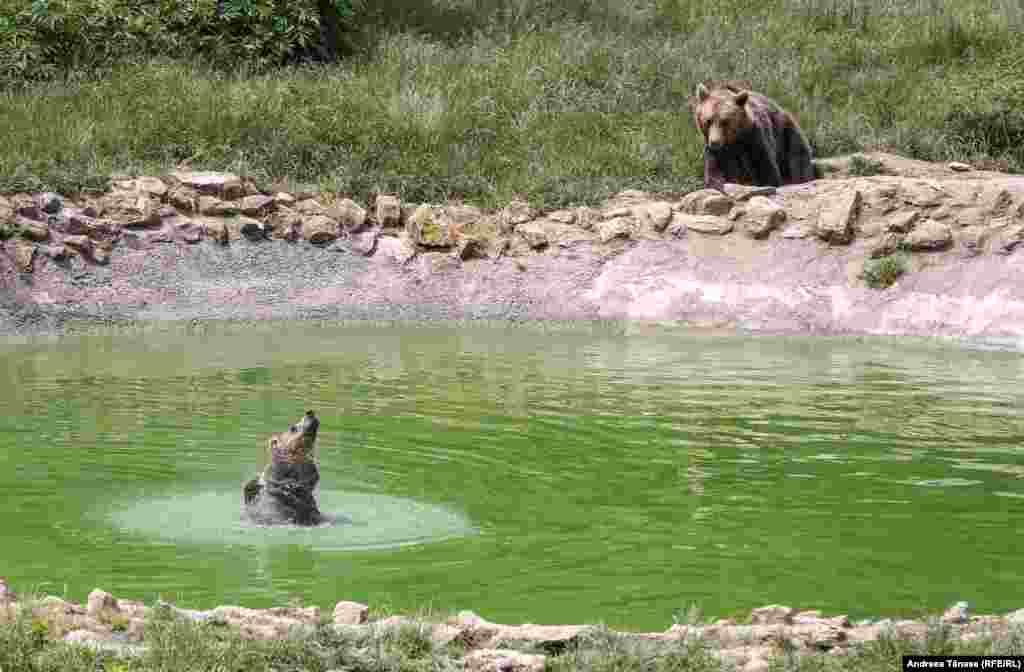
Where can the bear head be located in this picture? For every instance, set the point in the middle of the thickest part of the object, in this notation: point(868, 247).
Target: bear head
point(721, 115)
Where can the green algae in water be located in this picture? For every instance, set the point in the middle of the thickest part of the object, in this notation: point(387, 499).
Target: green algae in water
point(527, 474)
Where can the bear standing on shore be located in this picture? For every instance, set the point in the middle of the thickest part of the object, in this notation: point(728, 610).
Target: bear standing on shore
point(749, 139)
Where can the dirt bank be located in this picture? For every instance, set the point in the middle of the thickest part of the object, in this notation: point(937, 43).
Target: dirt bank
point(788, 260)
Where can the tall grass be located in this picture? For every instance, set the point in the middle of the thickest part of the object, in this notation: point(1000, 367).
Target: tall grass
point(564, 102)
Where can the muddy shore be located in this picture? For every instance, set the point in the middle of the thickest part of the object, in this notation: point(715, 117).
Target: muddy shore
point(790, 261)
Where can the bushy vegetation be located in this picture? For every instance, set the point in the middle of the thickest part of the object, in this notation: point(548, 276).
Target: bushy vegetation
point(174, 644)
point(563, 101)
point(885, 271)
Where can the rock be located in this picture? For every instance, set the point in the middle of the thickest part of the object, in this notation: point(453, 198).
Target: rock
point(973, 240)
point(6, 211)
point(256, 205)
point(319, 229)
point(136, 631)
point(215, 229)
point(654, 216)
point(80, 244)
point(222, 185)
point(774, 614)
point(503, 660)
point(435, 263)
point(37, 231)
point(133, 609)
point(534, 234)
point(958, 613)
point(7, 595)
point(428, 227)
point(563, 216)
point(958, 167)
point(836, 218)
point(902, 222)
point(886, 245)
point(310, 206)
point(794, 231)
point(471, 248)
point(282, 198)
point(26, 206)
point(349, 215)
point(399, 250)
point(82, 636)
point(252, 229)
point(470, 619)
point(586, 217)
point(187, 230)
point(929, 235)
point(130, 209)
point(363, 243)
point(285, 224)
point(620, 227)
point(213, 206)
point(283, 493)
point(56, 251)
point(551, 638)
point(101, 603)
point(707, 224)
point(878, 199)
point(762, 217)
point(350, 613)
point(997, 200)
point(184, 198)
point(50, 203)
point(24, 253)
point(923, 194)
point(706, 202)
point(1010, 238)
point(515, 213)
point(388, 211)
point(150, 185)
point(808, 617)
point(743, 192)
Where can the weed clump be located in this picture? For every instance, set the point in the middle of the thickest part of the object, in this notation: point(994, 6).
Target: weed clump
point(884, 272)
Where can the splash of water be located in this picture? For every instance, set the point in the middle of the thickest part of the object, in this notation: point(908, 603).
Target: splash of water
point(352, 521)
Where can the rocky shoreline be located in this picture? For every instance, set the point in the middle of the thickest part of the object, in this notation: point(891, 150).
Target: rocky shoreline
point(119, 626)
point(799, 259)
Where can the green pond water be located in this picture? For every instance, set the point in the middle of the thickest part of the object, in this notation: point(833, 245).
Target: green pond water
point(552, 475)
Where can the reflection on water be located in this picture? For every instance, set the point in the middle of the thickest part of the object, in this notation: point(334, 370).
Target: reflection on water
point(547, 475)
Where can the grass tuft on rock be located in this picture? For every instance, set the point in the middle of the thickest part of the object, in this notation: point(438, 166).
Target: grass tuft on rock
point(885, 271)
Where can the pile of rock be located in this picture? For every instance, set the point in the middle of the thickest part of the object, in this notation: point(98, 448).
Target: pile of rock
point(110, 623)
point(914, 214)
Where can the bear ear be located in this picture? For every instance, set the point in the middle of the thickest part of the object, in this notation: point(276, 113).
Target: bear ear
point(702, 92)
point(741, 98)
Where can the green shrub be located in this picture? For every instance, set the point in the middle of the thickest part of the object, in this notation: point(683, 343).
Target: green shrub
point(883, 272)
point(861, 166)
point(42, 39)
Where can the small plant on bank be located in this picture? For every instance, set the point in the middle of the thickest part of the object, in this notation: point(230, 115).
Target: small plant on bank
point(862, 166)
point(692, 615)
point(884, 272)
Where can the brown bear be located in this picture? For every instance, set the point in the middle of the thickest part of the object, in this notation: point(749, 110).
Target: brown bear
point(749, 139)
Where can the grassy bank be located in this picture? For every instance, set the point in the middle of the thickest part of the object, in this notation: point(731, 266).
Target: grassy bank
point(175, 644)
point(562, 102)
